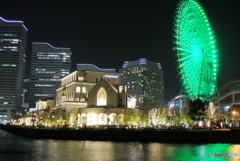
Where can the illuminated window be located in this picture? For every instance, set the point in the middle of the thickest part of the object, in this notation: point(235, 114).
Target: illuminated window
point(120, 89)
point(83, 89)
point(78, 89)
point(3, 116)
point(80, 78)
point(102, 97)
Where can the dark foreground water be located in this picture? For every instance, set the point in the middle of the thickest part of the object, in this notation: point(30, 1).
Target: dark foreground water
point(16, 148)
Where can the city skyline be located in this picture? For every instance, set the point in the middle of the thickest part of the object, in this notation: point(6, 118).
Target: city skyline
point(107, 33)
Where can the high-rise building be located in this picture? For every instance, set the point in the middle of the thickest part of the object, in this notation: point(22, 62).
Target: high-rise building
point(144, 80)
point(48, 66)
point(13, 42)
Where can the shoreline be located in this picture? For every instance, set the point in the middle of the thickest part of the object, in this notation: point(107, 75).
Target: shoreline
point(132, 135)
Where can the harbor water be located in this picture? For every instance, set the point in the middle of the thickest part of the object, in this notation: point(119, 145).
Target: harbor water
point(17, 148)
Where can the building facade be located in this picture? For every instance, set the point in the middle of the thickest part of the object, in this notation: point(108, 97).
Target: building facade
point(48, 66)
point(96, 95)
point(75, 87)
point(13, 42)
point(144, 80)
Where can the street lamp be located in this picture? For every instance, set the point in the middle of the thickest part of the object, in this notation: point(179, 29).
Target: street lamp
point(86, 119)
point(234, 113)
point(41, 120)
point(33, 118)
point(53, 120)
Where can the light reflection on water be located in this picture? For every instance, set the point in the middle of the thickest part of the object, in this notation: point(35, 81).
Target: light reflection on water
point(13, 147)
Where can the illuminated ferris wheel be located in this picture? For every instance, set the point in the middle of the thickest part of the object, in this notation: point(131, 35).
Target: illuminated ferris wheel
point(196, 50)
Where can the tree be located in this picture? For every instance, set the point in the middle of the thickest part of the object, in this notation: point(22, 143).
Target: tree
point(59, 116)
point(211, 113)
point(131, 117)
point(196, 110)
point(73, 116)
point(47, 118)
point(143, 117)
point(154, 116)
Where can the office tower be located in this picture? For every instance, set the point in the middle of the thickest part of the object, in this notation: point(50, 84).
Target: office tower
point(48, 66)
point(144, 80)
point(13, 42)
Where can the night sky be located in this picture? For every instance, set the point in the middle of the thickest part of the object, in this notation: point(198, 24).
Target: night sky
point(107, 33)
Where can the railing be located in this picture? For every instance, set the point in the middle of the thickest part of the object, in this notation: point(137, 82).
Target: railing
point(230, 82)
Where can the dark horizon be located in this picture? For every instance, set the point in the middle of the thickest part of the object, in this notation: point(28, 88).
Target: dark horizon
point(107, 33)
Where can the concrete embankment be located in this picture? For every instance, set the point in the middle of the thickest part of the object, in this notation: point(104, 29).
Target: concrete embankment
point(171, 136)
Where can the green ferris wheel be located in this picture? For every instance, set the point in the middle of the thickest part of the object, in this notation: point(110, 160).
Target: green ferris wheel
point(196, 50)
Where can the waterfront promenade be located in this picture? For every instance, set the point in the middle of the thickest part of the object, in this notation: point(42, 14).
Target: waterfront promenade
point(143, 135)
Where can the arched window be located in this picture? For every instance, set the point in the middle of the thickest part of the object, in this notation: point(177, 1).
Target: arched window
point(102, 97)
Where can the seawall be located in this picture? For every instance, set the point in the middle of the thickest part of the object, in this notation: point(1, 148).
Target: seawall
point(171, 136)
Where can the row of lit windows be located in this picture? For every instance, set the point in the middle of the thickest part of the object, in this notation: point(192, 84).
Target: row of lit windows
point(9, 65)
point(13, 41)
point(7, 35)
point(52, 72)
point(41, 94)
point(135, 81)
point(52, 55)
point(50, 79)
point(48, 58)
point(46, 72)
point(3, 116)
point(56, 75)
point(8, 49)
point(63, 70)
point(139, 71)
point(64, 54)
point(41, 69)
point(45, 85)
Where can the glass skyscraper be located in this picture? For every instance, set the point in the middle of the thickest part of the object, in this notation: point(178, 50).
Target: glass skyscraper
point(144, 80)
point(48, 66)
point(13, 42)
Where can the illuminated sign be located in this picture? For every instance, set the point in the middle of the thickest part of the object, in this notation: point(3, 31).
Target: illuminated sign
point(32, 109)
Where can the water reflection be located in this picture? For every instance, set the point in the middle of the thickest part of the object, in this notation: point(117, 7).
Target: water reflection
point(13, 147)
